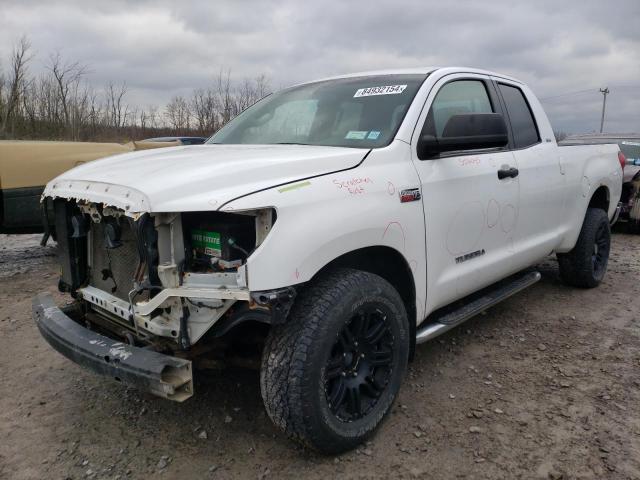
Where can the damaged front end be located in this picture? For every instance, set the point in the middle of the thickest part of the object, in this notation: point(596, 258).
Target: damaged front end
point(155, 283)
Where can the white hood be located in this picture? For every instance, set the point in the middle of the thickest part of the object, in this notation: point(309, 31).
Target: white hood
point(198, 177)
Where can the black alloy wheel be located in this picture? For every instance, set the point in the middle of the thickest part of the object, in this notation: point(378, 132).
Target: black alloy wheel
point(361, 364)
point(331, 372)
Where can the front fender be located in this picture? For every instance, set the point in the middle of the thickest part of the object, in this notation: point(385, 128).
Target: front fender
point(323, 218)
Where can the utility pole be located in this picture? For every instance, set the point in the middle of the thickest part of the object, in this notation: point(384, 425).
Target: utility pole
point(604, 91)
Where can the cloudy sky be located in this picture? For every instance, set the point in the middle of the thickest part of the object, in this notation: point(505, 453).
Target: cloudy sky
point(566, 50)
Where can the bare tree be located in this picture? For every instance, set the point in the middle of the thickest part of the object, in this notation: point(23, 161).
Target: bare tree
point(62, 104)
point(250, 92)
point(30, 105)
point(154, 117)
point(94, 112)
point(117, 111)
point(178, 114)
point(204, 106)
point(3, 82)
point(225, 97)
point(262, 87)
point(17, 75)
point(73, 99)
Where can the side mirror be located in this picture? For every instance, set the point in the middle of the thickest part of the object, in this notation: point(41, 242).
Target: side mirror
point(468, 131)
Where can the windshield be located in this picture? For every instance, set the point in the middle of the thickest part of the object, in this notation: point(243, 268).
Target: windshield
point(363, 112)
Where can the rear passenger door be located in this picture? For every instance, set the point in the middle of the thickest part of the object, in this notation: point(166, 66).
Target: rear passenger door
point(541, 180)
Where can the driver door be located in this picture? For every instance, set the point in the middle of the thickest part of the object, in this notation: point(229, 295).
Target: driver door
point(470, 213)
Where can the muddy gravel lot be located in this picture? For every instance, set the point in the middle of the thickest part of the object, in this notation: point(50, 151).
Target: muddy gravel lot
point(545, 385)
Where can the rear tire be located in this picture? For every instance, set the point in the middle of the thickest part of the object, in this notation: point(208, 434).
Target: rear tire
point(331, 373)
point(586, 265)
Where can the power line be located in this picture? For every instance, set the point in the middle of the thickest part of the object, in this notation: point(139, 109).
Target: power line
point(588, 90)
point(568, 94)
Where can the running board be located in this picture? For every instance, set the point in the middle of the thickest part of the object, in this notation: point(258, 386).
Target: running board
point(458, 312)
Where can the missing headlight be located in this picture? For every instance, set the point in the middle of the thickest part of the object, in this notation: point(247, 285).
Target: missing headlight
point(112, 233)
point(219, 241)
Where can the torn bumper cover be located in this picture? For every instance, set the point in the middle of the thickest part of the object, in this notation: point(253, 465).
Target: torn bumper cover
point(160, 374)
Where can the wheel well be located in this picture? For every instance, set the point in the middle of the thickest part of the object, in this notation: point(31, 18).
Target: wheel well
point(600, 199)
point(390, 265)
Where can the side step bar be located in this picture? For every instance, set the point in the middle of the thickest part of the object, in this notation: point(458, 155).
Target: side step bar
point(458, 312)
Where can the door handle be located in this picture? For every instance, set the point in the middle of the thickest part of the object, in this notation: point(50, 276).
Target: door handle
point(511, 172)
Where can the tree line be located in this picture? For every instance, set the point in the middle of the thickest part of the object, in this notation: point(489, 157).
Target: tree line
point(61, 104)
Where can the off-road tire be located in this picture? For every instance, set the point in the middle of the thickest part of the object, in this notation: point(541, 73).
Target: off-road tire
point(585, 265)
point(294, 364)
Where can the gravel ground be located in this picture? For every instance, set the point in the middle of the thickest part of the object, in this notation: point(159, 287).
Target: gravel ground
point(545, 385)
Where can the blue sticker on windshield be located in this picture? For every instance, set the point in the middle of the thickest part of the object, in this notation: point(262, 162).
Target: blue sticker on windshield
point(373, 135)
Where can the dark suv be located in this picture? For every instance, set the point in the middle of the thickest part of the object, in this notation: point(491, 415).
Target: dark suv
point(184, 140)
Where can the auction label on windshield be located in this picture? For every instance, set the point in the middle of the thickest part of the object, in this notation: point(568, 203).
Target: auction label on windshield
point(383, 90)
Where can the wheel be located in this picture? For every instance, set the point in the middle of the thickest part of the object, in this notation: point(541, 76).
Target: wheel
point(331, 373)
point(586, 264)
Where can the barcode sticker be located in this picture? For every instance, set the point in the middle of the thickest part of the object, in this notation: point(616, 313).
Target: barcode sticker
point(382, 90)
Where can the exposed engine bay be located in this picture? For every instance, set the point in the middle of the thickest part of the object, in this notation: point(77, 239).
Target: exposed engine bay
point(164, 280)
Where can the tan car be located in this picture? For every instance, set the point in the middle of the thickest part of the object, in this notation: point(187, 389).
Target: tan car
point(27, 166)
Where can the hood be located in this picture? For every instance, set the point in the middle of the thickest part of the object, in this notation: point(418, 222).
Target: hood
point(197, 177)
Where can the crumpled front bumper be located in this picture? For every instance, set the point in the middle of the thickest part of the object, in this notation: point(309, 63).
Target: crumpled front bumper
point(163, 375)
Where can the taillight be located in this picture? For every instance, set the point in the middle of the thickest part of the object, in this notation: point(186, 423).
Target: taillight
point(622, 159)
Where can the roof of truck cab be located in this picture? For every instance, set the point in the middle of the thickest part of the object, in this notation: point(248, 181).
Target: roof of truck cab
point(415, 71)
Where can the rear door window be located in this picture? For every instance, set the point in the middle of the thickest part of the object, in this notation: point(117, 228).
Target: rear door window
point(525, 131)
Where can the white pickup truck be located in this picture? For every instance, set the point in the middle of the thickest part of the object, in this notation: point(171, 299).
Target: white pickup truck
point(341, 221)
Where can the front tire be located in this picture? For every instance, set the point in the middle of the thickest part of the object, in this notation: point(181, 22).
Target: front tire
point(331, 373)
point(586, 264)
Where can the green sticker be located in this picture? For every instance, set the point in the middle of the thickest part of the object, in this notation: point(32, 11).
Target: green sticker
point(209, 242)
point(356, 135)
point(294, 187)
